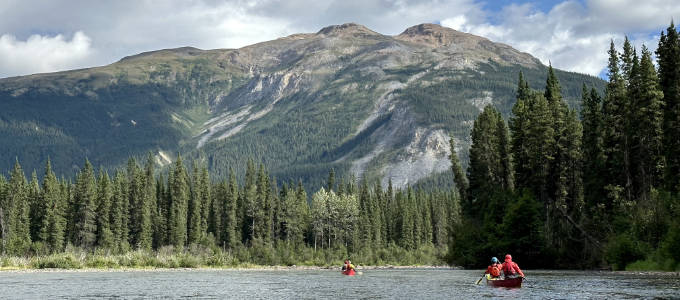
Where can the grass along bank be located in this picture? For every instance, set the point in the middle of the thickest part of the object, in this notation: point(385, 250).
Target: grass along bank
point(248, 258)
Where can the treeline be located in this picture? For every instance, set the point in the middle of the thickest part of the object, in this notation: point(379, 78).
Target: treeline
point(556, 190)
point(135, 209)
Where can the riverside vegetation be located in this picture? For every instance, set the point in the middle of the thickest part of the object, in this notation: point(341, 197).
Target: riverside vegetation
point(553, 189)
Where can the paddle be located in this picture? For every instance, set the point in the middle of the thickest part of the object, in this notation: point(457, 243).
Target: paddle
point(480, 279)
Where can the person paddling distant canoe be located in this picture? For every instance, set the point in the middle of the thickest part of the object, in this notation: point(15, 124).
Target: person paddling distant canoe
point(348, 268)
point(348, 265)
point(510, 268)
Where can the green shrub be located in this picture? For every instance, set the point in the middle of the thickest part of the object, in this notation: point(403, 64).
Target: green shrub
point(101, 261)
point(56, 261)
point(623, 250)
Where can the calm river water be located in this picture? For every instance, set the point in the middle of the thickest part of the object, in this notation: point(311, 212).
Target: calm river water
point(286, 284)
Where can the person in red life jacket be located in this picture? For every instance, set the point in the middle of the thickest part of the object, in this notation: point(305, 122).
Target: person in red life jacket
point(347, 265)
point(495, 268)
point(510, 268)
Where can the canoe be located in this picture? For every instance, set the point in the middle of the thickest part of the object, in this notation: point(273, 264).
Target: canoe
point(349, 272)
point(508, 283)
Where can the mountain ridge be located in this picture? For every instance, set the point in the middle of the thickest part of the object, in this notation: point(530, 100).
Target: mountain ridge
point(346, 97)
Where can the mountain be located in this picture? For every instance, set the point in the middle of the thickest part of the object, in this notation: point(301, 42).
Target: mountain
point(370, 105)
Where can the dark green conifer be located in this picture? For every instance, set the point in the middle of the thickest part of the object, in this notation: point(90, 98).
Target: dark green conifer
point(54, 223)
point(647, 131)
point(668, 56)
point(179, 196)
point(593, 152)
point(194, 221)
point(37, 209)
point(105, 238)
point(459, 177)
point(119, 219)
point(17, 234)
point(85, 207)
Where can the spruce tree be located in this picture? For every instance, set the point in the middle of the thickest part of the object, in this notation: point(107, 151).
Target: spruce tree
point(179, 195)
point(519, 128)
point(230, 221)
point(194, 221)
point(627, 58)
point(539, 145)
point(4, 210)
point(303, 209)
point(85, 207)
point(615, 110)
point(647, 133)
point(459, 177)
point(365, 224)
point(249, 203)
point(206, 199)
point(37, 209)
point(262, 213)
point(568, 187)
point(506, 170)
point(54, 223)
point(147, 205)
point(490, 165)
point(18, 233)
point(160, 214)
point(377, 215)
point(593, 152)
point(668, 56)
point(105, 238)
point(119, 217)
point(137, 206)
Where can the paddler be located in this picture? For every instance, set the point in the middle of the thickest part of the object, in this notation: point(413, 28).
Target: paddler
point(348, 265)
point(495, 268)
point(510, 268)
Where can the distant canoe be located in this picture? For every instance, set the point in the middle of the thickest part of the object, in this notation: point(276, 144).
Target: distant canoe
point(349, 272)
point(508, 283)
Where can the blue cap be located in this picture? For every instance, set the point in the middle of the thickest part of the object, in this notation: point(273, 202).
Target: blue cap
point(494, 260)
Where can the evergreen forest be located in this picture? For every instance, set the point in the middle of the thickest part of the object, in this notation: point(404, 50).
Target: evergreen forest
point(595, 189)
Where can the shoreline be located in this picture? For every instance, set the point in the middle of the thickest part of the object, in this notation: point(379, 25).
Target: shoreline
point(299, 268)
point(207, 268)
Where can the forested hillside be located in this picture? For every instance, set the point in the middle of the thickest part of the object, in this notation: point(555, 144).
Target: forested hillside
point(347, 98)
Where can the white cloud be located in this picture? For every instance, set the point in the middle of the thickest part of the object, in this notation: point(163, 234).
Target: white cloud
point(39, 53)
point(457, 23)
point(574, 36)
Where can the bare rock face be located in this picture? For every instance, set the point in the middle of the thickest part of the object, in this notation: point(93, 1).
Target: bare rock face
point(475, 47)
point(347, 29)
point(435, 36)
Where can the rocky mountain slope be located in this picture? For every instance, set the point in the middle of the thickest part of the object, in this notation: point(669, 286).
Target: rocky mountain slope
point(370, 105)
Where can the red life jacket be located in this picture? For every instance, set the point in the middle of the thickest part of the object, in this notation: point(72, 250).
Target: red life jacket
point(508, 268)
point(495, 270)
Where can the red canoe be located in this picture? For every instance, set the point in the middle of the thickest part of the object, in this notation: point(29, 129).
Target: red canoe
point(349, 272)
point(508, 283)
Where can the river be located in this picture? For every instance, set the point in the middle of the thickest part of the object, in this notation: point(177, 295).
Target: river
point(315, 284)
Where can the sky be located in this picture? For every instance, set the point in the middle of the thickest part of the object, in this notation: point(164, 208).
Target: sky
point(38, 36)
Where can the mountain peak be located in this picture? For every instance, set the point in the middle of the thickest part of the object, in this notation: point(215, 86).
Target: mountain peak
point(434, 35)
point(346, 29)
